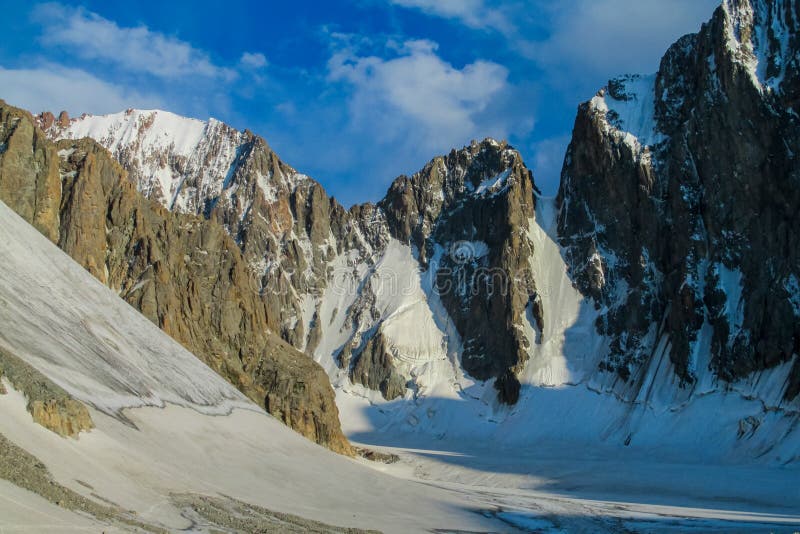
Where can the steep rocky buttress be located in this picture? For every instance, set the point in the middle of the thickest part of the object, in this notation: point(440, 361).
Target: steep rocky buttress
point(680, 201)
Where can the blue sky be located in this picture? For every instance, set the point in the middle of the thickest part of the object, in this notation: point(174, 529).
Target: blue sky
point(351, 92)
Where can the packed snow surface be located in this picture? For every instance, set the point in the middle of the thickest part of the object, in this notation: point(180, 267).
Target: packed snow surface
point(72, 328)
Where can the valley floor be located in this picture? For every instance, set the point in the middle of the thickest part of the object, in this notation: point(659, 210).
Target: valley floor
point(583, 490)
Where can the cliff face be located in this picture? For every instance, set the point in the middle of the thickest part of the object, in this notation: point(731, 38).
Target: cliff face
point(468, 214)
point(679, 201)
point(297, 243)
point(183, 272)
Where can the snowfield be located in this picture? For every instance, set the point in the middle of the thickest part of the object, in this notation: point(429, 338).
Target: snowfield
point(565, 399)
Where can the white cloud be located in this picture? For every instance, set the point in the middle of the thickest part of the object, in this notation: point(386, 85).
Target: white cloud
point(255, 60)
point(405, 105)
point(417, 93)
point(54, 88)
point(472, 13)
point(571, 48)
point(134, 49)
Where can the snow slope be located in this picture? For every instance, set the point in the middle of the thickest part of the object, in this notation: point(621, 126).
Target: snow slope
point(632, 113)
point(73, 329)
point(22, 511)
point(566, 400)
point(582, 452)
point(184, 429)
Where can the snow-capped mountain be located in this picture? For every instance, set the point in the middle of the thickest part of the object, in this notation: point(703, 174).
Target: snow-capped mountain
point(659, 287)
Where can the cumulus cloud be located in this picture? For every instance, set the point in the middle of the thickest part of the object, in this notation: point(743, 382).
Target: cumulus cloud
point(416, 89)
point(574, 47)
point(54, 88)
point(134, 49)
point(406, 104)
point(598, 36)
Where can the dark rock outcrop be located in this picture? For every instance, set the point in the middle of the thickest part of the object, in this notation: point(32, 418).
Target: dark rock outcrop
point(375, 369)
point(686, 228)
point(468, 216)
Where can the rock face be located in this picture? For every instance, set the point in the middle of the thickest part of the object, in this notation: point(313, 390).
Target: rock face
point(185, 273)
point(280, 219)
point(48, 404)
point(468, 215)
point(297, 242)
point(29, 168)
point(679, 201)
point(65, 417)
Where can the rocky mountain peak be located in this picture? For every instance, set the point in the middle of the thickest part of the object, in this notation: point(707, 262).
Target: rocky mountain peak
point(477, 171)
point(646, 161)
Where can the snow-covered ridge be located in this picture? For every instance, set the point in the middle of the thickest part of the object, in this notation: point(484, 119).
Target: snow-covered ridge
point(151, 128)
point(185, 164)
point(175, 160)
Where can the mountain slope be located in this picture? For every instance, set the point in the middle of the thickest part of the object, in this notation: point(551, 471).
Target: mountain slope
point(182, 272)
point(291, 233)
point(173, 441)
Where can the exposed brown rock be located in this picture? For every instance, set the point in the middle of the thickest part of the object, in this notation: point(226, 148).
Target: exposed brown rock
point(49, 405)
point(65, 417)
point(29, 177)
point(63, 119)
point(183, 272)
